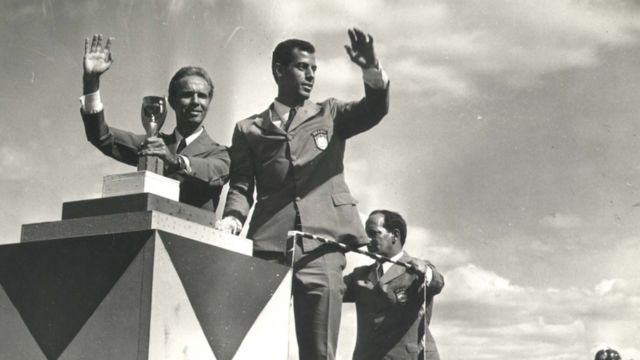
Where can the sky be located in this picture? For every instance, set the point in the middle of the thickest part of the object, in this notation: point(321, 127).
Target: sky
point(511, 146)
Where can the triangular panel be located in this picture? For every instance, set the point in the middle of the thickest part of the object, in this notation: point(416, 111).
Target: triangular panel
point(16, 342)
point(271, 328)
point(175, 332)
point(227, 290)
point(57, 284)
point(117, 329)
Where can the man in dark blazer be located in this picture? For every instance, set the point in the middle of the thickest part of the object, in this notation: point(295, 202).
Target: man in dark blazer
point(393, 314)
point(292, 153)
point(189, 154)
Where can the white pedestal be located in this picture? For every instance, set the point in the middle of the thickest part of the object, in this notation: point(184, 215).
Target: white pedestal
point(141, 182)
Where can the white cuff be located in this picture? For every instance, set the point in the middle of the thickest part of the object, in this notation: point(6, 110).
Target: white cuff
point(375, 77)
point(187, 164)
point(428, 276)
point(91, 103)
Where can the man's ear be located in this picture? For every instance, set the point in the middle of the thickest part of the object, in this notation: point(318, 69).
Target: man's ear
point(278, 71)
point(396, 234)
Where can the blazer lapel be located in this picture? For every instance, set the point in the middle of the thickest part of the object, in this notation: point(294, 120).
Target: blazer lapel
point(266, 124)
point(307, 110)
point(201, 144)
point(394, 271)
point(371, 274)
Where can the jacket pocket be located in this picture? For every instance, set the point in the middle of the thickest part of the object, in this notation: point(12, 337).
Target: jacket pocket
point(344, 198)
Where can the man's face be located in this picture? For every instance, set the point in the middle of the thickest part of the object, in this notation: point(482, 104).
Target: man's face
point(295, 80)
point(191, 102)
point(382, 242)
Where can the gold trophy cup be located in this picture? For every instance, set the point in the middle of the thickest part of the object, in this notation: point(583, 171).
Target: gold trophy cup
point(152, 113)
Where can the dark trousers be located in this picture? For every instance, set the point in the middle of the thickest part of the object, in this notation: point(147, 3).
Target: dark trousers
point(317, 297)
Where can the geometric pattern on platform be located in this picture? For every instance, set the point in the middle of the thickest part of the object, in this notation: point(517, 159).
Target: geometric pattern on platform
point(109, 332)
point(229, 292)
point(18, 344)
point(268, 338)
point(73, 276)
point(175, 332)
point(140, 295)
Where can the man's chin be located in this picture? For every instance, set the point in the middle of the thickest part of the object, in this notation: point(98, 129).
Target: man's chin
point(192, 122)
point(305, 95)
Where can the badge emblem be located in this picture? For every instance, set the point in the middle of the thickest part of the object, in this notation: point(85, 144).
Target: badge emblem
point(321, 138)
point(401, 295)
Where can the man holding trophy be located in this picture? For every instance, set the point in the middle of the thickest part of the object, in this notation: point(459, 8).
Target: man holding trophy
point(187, 154)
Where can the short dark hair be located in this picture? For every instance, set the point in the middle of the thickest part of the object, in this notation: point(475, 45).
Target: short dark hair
point(188, 71)
point(393, 221)
point(283, 53)
point(607, 354)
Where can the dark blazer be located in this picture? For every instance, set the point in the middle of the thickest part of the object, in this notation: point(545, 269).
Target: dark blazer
point(390, 324)
point(209, 160)
point(302, 168)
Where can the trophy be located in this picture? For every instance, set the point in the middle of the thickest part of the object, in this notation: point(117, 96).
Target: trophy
point(152, 113)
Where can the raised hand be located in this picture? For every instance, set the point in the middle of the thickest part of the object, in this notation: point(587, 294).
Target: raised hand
point(361, 50)
point(97, 58)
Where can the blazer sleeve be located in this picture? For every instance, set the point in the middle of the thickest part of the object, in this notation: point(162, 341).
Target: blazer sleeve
point(213, 168)
point(437, 282)
point(349, 292)
point(352, 118)
point(241, 177)
point(118, 144)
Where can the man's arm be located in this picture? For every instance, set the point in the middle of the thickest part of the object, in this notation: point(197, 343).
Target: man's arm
point(356, 117)
point(118, 144)
point(349, 292)
point(213, 168)
point(428, 275)
point(241, 185)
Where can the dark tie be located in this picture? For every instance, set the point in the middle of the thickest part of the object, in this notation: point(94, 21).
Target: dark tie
point(181, 146)
point(379, 270)
point(292, 114)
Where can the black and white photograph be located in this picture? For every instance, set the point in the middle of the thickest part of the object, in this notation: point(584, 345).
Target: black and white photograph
point(306, 180)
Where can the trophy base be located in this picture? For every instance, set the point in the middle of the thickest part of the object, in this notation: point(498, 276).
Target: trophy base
point(151, 163)
point(141, 182)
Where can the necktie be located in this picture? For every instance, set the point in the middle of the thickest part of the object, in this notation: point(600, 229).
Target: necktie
point(292, 114)
point(380, 270)
point(181, 146)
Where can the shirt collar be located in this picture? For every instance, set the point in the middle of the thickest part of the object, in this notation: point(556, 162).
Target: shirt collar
point(189, 139)
point(281, 110)
point(387, 265)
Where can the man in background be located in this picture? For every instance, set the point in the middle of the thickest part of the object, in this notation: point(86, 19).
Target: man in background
point(189, 154)
point(393, 304)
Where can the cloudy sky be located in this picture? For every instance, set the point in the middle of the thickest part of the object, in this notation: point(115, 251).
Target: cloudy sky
point(512, 146)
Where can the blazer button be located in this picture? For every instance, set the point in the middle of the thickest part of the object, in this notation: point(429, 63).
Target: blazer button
point(298, 199)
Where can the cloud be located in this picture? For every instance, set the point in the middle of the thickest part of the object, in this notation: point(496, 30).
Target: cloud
point(449, 47)
point(478, 306)
point(561, 221)
point(427, 244)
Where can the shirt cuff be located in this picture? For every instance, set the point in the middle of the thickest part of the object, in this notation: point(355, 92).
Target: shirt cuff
point(91, 103)
point(428, 276)
point(375, 77)
point(187, 164)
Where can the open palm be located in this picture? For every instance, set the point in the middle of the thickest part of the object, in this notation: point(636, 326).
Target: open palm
point(361, 50)
point(97, 58)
